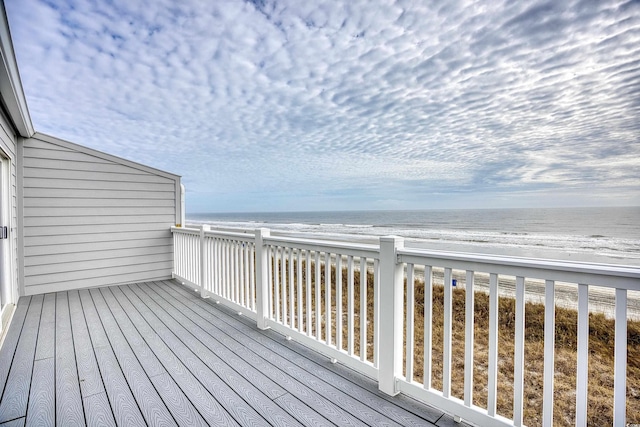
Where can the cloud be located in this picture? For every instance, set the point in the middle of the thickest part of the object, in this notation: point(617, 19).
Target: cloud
point(278, 99)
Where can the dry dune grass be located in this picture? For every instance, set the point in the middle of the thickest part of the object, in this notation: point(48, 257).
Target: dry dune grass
point(601, 344)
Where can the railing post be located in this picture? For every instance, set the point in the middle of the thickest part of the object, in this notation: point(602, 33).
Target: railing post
point(203, 261)
point(182, 207)
point(391, 314)
point(262, 278)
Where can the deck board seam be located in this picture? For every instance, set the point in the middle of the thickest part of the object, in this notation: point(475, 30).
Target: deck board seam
point(84, 316)
point(338, 408)
point(72, 363)
point(236, 382)
point(20, 373)
point(338, 411)
point(117, 361)
point(248, 323)
point(236, 416)
point(33, 362)
point(204, 331)
point(17, 340)
point(168, 372)
point(75, 356)
point(230, 321)
point(218, 366)
point(137, 358)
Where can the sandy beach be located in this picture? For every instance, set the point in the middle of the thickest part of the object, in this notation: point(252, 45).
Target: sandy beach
point(601, 300)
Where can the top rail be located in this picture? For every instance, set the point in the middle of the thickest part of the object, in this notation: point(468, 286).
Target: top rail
point(605, 275)
point(360, 250)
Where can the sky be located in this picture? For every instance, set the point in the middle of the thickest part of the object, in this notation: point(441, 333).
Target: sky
point(297, 105)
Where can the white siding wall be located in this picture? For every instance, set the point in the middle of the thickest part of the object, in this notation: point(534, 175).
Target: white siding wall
point(8, 144)
point(90, 219)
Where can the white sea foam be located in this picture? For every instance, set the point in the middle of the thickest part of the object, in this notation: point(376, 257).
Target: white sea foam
point(607, 235)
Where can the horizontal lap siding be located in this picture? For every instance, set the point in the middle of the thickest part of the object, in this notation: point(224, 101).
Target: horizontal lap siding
point(90, 220)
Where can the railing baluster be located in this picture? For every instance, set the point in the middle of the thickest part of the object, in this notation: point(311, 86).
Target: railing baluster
point(247, 275)
point(549, 351)
point(363, 309)
point(350, 306)
point(233, 270)
point(292, 311)
point(253, 271)
point(299, 283)
point(240, 268)
point(428, 325)
point(308, 289)
point(582, 374)
point(228, 271)
point(283, 284)
point(518, 361)
point(339, 301)
point(409, 323)
point(492, 380)
point(327, 297)
point(247, 281)
point(620, 360)
point(376, 311)
point(270, 269)
point(216, 266)
point(317, 292)
point(469, 338)
point(210, 264)
point(276, 282)
point(223, 269)
point(446, 353)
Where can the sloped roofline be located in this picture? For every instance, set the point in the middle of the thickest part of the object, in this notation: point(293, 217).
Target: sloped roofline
point(12, 94)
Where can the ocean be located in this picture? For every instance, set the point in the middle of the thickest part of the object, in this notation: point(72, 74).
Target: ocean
point(603, 235)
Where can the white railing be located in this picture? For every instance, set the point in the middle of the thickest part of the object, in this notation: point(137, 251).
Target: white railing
point(220, 264)
point(358, 304)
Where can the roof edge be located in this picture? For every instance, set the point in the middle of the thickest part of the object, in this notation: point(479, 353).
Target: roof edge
point(10, 84)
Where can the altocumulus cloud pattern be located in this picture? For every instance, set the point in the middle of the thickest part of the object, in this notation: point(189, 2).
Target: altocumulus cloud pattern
point(295, 105)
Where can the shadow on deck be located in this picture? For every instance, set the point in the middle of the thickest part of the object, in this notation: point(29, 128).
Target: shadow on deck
point(156, 354)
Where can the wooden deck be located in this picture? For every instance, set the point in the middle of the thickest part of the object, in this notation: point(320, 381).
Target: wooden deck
point(156, 354)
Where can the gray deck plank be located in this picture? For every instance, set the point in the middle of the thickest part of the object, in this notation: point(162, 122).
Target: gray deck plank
point(248, 371)
point(19, 422)
point(122, 355)
point(124, 405)
point(181, 408)
point(393, 403)
point(404, 410)
point(302, 412)
point(145, 356)
point(69, 408)
point(178, 405)
point(45, 347)
point(331, 410)
point(186, 331)
point(98, 410)
point(88, 372)
point(151, 405)
point(11, 340)
point(208, 407)
point(242, 412)
point(41, 409)
point(16, 393)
